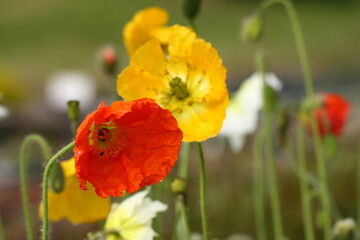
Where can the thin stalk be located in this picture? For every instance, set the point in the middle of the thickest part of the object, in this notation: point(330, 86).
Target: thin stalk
point(309, 89)
point(273, 188)
point(259, 186)
point(304, 188)
point(184, 160)
point(46, 151)
point(182, 230)
point(182, 172)
point(202, 192)
point(2, 231)
point(45, 224)
point(358, 193)
point(299, 39)
point(268, 119)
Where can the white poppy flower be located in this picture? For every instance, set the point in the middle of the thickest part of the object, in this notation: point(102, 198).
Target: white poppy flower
point(242, 113)
point(69, 85)
point(133, 217)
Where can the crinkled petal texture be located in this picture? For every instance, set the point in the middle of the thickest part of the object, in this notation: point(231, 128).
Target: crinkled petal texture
point(126, 146)
point(146, 24)
point(74, 204)
point(132, 218)
point(331, 118)
point(189, 81)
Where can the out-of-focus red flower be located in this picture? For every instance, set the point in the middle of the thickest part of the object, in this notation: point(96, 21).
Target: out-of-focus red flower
point(109, 55)
point(332, 113)
point(126, 146)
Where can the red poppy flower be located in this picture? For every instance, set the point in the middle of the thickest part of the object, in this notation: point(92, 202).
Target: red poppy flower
point(126, 146)
point(332, 114)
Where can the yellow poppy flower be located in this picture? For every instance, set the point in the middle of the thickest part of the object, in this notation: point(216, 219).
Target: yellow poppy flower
point(74, 204)
point(146, 24)
point(189, 81)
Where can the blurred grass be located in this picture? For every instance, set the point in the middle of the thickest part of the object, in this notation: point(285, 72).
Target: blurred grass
point(40, 37)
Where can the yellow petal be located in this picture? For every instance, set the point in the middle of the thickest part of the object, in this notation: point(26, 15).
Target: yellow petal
point(74, 204)
point(201, 120)
point(140, 28)
point(145, 77)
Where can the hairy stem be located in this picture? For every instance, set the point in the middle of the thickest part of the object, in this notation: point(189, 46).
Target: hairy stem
point(46, 151)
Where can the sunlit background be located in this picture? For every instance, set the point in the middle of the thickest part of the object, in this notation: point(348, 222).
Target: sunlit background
point(49, 53)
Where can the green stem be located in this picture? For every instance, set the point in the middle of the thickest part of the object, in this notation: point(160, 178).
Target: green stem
point(268, 118)
point(182, 172)
point(358, 193)
point(184, 160)
point(259, 186)
point(273, 188)
point(182, 223)
point(304, 188)
point(46, 151)
point(299, 39)
point(305, 66)
point(2, 231)
point(202, 192)
point(45, 224)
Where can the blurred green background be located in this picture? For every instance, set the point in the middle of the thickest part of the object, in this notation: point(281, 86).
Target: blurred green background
point(39, 38)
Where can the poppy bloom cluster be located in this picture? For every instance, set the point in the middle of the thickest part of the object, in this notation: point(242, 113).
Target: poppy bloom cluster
point(331, 113)
point(126, 146)
point(188, 79)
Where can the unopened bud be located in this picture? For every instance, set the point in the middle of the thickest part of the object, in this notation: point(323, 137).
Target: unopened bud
point(191, 8)
point(252, 29)
point(344, 229)
point(109, 60)
point(178, 185)
point(56, 178)
point(73, 110)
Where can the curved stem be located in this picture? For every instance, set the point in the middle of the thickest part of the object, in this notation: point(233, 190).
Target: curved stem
point(259, 186)
point(45, 224)
point(299, 40)
point(202, 192)
point(46, 151)
point(309, 89)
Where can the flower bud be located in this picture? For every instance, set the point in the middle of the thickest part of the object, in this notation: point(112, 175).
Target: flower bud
point(344, 229)
point(109, 60)
point(73, 110)
point(56, 178)
point(191, 8)
point(178, 185)
point(252, 29)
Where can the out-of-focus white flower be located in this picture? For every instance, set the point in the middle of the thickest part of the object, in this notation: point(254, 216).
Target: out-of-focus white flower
point(4, 112)
point(242, 113)
point(65, 86)
point(344, 229)
point(133, 217)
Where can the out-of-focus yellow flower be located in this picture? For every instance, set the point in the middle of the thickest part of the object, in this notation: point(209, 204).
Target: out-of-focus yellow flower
point(189, 81)
point(76, 205)
point(133, 217)
point(146, 24)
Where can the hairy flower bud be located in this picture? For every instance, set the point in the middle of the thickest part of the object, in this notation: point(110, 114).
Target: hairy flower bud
point(191, 8)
